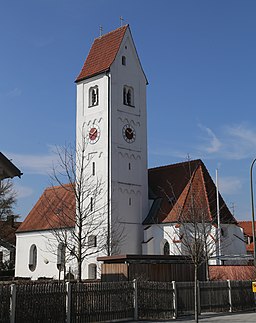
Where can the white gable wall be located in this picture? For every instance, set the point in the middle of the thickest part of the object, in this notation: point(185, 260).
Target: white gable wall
point(46, 245)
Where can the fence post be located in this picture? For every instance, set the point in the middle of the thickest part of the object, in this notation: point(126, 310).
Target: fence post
point(230, 296)
point(198, 297)
point(135, 299)
point(68, 302)
point(12, 303)
point(175, 302)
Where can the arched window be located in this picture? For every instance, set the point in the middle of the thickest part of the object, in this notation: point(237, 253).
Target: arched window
point(166, 248)
point(61, 254)
point(93, 96)
point(92, 271)
point(128, 96)
point(32, 257)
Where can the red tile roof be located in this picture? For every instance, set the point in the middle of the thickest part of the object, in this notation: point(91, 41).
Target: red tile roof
point(247, 227)
point(169, 187)
point(173, 187)
point(54, 209)
point(250, 247)
point(232, 272)
point(102, 53)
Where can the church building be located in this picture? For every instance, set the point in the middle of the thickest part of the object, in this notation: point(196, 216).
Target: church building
point(129, 208)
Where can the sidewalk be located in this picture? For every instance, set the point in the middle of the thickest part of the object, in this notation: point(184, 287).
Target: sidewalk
point(213, 317)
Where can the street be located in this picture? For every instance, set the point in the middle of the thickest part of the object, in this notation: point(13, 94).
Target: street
point(214, 317)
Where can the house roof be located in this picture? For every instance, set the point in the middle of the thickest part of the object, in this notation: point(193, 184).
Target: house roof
point(7, 232)
point(102, 53)
point(173, 187)
point(247, 227)
point(7, 168)
point(55, 209)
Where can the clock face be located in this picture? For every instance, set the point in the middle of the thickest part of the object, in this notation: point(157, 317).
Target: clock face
point(129, 133)
point(93, 134)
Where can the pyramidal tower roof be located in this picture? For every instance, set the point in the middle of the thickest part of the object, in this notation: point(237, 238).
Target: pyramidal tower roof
point(102, 53)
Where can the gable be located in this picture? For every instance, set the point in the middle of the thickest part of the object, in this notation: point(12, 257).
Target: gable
point(180, 186)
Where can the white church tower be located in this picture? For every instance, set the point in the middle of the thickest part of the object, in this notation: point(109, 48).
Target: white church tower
point(111, 118)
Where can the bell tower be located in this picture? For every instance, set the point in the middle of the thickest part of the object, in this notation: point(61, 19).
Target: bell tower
point(111, 120)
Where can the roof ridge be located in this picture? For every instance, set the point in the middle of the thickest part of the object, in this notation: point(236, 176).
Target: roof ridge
point(112, 31)
point(57, 186)
point(243, 221)
point(176, 164)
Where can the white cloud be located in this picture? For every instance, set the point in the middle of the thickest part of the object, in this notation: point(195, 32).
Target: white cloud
point(229, 185)
point(43, 42)
point(34, 164)
point(13, 93)
point(23, 191)
point(214, 143)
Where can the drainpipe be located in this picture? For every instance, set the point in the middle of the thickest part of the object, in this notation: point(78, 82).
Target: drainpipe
point(109, 167)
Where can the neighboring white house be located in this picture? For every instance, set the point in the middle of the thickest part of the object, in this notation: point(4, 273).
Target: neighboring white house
point(146, 204)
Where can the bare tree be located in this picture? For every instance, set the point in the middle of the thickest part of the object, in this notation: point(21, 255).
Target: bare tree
point(75, 207)
point(196, 225)
point(7, 199)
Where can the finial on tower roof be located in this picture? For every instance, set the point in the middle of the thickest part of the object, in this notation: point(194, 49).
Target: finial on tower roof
point(121, 21)
point(101, 30)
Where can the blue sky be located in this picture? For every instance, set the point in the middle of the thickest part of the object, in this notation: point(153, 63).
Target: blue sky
point(199, 58)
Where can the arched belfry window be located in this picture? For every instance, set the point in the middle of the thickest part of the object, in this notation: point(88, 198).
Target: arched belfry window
point(32, 257)
point(93, 96)
point(128, 96)
point(61, 253)
point(166, 250)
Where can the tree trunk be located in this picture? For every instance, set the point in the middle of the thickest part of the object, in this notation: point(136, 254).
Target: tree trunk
point(79, 260)
point(196, 293)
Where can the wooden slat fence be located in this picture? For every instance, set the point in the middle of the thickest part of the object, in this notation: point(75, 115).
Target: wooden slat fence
point(37, 302)
point(185, 298)
point(95, 302)
point(214, 296)
point(155, 300)
point(5, 293)
point(242, 296)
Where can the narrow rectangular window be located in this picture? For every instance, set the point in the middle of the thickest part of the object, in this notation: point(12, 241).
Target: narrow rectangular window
point(129, 166)
point(92, 241)
point(91, 204)
point(130, 201)
point(93, 168)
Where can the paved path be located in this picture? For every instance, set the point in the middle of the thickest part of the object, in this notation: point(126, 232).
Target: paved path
point(209, 318)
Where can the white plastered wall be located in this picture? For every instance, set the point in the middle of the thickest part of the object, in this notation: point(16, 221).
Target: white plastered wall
point(46, 245)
